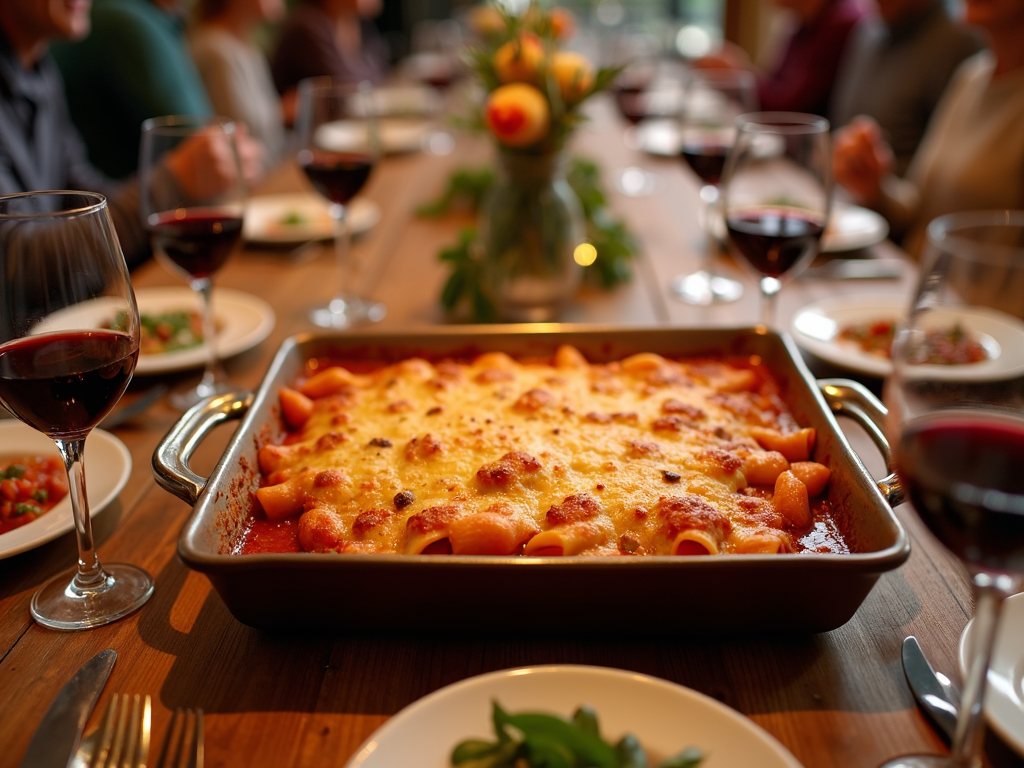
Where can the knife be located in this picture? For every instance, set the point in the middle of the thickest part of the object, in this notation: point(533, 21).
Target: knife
point(936, 695)
point(60, 732)
point(857, 269)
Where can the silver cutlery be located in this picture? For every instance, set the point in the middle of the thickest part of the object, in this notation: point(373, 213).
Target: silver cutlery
point(128, 412)
point(59, 734)
point(185, 745)
point(123, 739)
point(935, 693)
point(856, 269)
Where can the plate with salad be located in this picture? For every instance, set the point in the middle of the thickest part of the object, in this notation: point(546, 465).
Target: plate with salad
point(171, 336)
point(857, 332)
point(538, 710)
point(293, 218)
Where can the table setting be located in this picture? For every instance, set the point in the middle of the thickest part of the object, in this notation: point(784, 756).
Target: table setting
point(620, 654)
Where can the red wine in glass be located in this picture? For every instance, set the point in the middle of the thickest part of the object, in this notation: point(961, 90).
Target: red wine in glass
point(65, 383)
point(707, 160)
point(200, 242)
point(774, 240)
point(962, 473)
point(338, 176)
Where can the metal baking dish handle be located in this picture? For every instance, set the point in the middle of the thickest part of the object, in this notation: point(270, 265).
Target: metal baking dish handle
point(170, 459)
point(848, 398)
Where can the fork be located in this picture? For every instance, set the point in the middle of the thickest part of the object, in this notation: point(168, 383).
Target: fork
point(123, 739)
point(184, 746)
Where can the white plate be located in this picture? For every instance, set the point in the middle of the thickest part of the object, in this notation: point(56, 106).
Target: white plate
point(665, 717)
point(405, 100)
point(655, 136)
point(816, 329)
point(397, 135)
point(851, 227)
point(107, 466)
point(267, 217)
point(1004, 698)
point(244, 321)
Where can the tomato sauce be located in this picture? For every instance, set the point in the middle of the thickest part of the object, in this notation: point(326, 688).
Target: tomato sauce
point(29, 488)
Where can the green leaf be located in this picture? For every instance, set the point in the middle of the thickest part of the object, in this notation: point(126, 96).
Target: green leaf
point(14, 472)
point(590, 749)
point(630, 753)
point(454, 288)
point(688, 758)
point(24, 508)
point(585, 718)
point(473, 749)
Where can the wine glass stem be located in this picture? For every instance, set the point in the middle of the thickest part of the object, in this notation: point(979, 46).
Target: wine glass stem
point(709, 194)
point(345, 268)
point(989, 593)
point(211, 372)
point(90, 573)
point(770, 287)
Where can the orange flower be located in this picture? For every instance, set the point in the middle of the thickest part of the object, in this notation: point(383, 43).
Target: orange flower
point(519, 60)
point(517, 114)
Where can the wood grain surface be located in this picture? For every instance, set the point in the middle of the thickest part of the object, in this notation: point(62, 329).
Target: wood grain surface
point(294, 699)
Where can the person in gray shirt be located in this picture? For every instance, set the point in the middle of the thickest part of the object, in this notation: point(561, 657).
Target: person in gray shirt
point(895, 68)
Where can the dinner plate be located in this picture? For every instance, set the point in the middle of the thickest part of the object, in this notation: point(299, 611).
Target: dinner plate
point(1004, 697)
point(397, 134)
point(816, 329)
point(406, 100)
point(298, 217)
point(107, 466)
point(243, 322)
point(665, 717)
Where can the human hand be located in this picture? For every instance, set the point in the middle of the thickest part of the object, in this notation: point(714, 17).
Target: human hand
point(729, 56)
point(207, 163)
point(861, 159)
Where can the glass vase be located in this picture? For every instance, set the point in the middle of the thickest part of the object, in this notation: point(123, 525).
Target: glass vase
point(530, 225)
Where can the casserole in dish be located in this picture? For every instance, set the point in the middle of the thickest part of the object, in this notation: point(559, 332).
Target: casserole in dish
point(804, 592)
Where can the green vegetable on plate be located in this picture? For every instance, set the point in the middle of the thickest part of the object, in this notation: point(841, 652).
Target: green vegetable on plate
point(539, 740)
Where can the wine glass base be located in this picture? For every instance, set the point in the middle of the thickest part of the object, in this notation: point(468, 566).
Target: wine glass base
point(58, 604)
point(184, 398)
point(918, 761)
point(703, 288)
point(344, 313)
point(636, 182)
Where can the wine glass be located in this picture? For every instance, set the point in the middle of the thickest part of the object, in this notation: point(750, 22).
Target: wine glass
point(339, 145)
point(776, 196)
point(194, 221)
point(69, 341)
point(957, 428)
point(713, 99)
point(630, 92)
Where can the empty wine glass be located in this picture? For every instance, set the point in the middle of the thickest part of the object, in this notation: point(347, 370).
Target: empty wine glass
point(713, 99)
point(776, 196)
point(339, 145)
point(956, 400)
point(195, 221)
point(69, 342)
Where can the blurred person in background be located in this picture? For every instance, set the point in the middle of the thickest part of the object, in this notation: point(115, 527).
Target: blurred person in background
point(40, 148)
point(133, 66)
point(329, 37)
point(802, 78)
point(972, 155)
point(896, 66)
point(234, 70)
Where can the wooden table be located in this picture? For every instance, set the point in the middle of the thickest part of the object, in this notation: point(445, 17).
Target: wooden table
point(295, 699)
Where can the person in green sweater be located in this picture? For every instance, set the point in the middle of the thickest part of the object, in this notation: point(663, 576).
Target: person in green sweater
point(134, 65)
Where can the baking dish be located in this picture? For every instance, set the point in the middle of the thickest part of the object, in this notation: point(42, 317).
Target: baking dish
point(726, 594)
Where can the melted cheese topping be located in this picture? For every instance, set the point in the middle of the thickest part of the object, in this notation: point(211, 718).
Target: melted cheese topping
point(497, 456)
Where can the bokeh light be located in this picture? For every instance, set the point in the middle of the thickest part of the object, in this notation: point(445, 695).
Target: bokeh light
point(585, 254)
